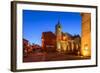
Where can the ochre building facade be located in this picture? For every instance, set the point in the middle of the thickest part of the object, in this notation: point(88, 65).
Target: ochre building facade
point(60, 41)
point(86, 34)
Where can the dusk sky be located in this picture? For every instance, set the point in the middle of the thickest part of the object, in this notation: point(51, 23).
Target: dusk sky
point(36, 22)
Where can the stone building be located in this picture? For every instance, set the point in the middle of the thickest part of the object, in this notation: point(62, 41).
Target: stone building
point(86, 34)
point(60, 41)
point(26, 47)
point(48, 41)
point(65, 42)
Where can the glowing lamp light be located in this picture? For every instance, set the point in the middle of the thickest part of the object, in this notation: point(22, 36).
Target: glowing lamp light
point(64, 37)
point(85, 50)
point(42, 39)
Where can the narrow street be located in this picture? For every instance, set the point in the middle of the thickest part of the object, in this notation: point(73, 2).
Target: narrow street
point(37, 57)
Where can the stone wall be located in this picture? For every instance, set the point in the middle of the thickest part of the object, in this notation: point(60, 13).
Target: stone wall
point(86, 34)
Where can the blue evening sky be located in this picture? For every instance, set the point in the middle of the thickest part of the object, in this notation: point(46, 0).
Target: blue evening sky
point(36, 22)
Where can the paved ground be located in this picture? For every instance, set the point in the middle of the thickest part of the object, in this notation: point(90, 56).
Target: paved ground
point(36, 57)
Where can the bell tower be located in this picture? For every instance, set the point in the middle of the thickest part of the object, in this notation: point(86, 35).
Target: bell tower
point(58, 36)
point(58, 31)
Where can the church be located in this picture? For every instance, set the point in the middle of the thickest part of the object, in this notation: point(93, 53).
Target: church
point(60, 41)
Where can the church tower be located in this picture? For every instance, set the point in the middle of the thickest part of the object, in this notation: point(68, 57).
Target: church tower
point(58, 36)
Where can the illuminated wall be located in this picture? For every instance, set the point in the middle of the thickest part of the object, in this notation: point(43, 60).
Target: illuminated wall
point(48, 41)
point(58, 36)
point(86, 34)
point(65, 42)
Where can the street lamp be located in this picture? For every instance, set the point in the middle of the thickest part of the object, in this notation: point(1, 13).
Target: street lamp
point(86, 50)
